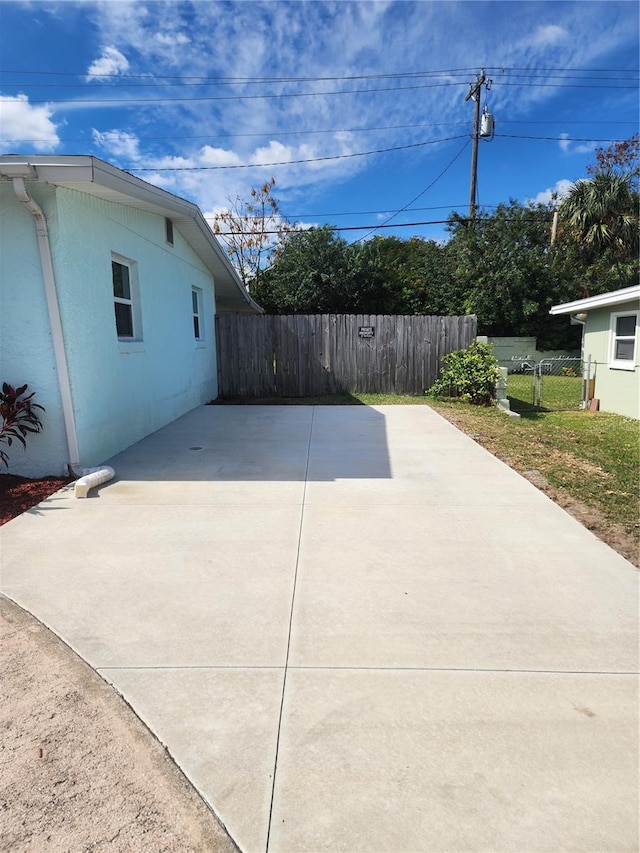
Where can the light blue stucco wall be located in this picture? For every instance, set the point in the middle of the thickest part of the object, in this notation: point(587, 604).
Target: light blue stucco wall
point(618, 390)
point(124, 391)
point(26, 349)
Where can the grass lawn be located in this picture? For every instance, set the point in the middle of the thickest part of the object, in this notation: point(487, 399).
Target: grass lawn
point(558, 392)
point(594, 455)
point(588, 462)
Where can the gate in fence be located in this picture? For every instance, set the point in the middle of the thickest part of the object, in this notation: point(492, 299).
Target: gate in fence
point(551, 384)
point(309, 355)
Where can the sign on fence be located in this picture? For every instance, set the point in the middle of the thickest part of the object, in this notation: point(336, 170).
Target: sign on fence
point(311, 355)
point(366, 331)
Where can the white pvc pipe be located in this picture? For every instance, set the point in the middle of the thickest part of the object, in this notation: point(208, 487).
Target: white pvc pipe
point(57, 335)
point(92, 477)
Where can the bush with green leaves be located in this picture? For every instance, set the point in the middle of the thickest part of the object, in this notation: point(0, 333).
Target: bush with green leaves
point(18, 417)
point(469, 373)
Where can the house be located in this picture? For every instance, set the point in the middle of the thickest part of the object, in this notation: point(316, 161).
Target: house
point(610, 340)
point(109, 287)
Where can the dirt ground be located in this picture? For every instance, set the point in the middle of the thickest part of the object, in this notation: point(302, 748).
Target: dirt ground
point(79, 770)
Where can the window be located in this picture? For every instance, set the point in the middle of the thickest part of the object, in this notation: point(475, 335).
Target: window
point(126, 298)
point(624, 336)
point(196, 299)
point(122, 298)
point(168, 231)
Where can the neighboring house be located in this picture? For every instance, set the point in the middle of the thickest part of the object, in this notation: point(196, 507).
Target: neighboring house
point(611, 332)
point(109, 288)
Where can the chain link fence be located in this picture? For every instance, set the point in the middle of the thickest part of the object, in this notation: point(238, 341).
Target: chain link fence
point(551, 384)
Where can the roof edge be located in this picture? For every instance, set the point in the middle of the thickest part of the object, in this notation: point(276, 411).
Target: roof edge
point(603, 300)
point(49, 168)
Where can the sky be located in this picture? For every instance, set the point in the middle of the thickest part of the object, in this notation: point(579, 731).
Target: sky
point(356, 108)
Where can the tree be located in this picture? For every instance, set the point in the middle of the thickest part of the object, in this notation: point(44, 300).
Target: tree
point(411, 276)
point(602, 214)
point(246, 229)
point(311, 275)
point(506, 272)
point(620, 158)
point(318, 271)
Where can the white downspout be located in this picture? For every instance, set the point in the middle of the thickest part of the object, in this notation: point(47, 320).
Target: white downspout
point(586, 372)
point(55, 321)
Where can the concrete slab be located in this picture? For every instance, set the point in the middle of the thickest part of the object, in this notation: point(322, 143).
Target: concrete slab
point(161, 585)
point(362, 607)
point(436, 761)
point(221, 727)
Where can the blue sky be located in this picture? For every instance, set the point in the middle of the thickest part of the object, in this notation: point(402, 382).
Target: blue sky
point(302, 90)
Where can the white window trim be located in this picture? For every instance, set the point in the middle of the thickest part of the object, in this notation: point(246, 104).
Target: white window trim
point(198, 292)
point(623, 364)
point(134, 301)
point(169, 233)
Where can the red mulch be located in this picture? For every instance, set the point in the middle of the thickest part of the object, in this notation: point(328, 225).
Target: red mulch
point(18, 494)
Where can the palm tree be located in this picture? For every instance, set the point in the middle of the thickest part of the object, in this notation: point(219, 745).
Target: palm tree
point(602, 214)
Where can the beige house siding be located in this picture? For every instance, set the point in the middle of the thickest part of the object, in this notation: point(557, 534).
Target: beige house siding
point(616, 388)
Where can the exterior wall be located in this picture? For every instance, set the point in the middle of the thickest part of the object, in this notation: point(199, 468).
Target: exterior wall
point(504, 348)
point(122, 391)
point(26, 349)
point(618, 390)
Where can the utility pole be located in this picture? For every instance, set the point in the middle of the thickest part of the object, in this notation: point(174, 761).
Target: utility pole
point(475, 92)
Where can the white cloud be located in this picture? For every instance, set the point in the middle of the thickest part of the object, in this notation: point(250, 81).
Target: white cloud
point(559, 191)
point(549, 35)
point(118, 143)
point(24, 123)
point(111, 63)
point(172, 40)
point(329, 39)
point(569, 147)
point(217, 157)
point(274, 152)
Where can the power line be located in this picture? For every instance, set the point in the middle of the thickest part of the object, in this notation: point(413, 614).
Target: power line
point(305, 79)
point(420, 194)
point(222, 78)
point(294, 162)
point(348, 227)
point(406, 209)
point(138, 101)
point(275, 96)
point(271, 133)
point(395, 225)
point(135, 168)
point(120, 81)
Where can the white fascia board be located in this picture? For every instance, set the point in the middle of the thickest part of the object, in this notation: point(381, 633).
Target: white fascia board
point(604, 300)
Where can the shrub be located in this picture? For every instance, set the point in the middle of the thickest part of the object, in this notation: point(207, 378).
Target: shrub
point(469, 373)
point(18, 417)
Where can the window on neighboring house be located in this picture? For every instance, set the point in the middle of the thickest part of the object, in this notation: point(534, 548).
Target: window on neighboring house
point(125, 299)
point(624, 338)
point(196, 300)
point(168, 230)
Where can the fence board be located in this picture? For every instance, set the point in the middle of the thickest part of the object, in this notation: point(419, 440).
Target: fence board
point(312, 355)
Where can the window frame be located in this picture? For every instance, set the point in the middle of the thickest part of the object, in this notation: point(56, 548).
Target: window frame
point(168, 231)
point(617, 363)
point(133, 302)
point(197, 314)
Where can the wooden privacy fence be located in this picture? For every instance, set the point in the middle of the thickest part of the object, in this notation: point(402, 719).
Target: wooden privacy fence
point(309, 355)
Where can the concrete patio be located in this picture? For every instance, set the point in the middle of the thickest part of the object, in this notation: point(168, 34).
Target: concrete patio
point(354, 629)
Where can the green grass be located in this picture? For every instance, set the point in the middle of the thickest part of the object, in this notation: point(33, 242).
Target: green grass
point(332, 400)
point(558, 392)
